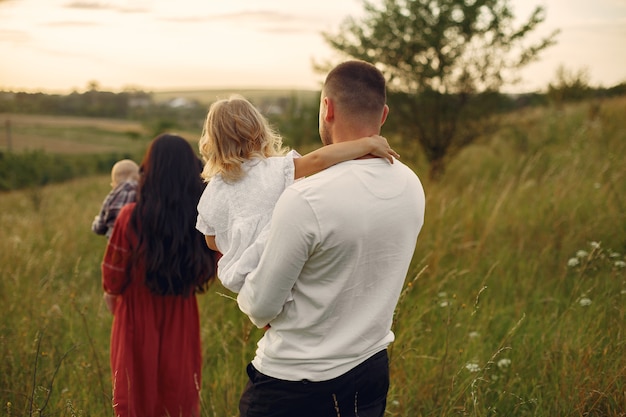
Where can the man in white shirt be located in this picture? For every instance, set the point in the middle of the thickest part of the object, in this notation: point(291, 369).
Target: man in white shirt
point(339, 248)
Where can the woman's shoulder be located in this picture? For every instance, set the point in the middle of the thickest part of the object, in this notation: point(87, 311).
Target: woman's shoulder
point(127, 209)
point(124, 214)
point(122, 220)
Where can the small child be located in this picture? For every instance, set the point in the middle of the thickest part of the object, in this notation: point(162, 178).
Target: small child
point(247, 169)
point(124, 183)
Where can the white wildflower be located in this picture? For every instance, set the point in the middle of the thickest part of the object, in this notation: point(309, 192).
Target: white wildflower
point(582, 254)
point(614, 255)
point(572, 262)
point(472, 367)
point(620, 264)
point(474, 335)
point(595, 245)
point(444, 304)
point(584, 302)
point(504, 363)
point(442, 294)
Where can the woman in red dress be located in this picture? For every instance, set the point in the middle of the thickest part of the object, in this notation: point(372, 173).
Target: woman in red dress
point(154, 265)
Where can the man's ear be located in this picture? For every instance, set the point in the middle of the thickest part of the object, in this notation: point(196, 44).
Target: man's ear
point(385, 114)
point(329, 106)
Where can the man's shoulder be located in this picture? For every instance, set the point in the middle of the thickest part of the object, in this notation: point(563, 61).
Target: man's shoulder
point(373, 174)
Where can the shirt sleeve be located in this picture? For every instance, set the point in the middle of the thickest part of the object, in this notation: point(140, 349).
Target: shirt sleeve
point(203, 227)
point(289, 170)
point(117, 257)
point(99, 225)
point(204, 209)
point(293, 235)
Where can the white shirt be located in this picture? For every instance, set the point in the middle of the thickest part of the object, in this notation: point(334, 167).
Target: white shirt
point(340, 244)
point(236, 212)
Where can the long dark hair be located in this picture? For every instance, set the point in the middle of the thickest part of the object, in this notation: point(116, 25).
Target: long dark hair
point(177, 259)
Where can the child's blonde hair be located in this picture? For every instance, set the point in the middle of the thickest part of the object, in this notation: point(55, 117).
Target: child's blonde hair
point(235, 131)
point(124, 170)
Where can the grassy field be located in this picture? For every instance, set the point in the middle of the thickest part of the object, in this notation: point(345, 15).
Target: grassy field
point(69, 135)
point(255, 95)
point(515, 303)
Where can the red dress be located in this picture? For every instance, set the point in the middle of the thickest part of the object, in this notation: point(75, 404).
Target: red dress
point(155, 340)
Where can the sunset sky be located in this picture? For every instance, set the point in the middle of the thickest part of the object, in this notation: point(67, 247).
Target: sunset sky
point(62, 45)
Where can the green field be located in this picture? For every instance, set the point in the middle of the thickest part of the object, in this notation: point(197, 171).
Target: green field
point(69, 135)
point(515, 303)
point(254, 95)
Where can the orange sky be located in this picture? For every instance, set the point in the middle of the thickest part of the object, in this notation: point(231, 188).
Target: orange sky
point(61, 45)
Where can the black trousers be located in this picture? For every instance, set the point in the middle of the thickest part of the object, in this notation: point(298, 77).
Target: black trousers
point(360, 392)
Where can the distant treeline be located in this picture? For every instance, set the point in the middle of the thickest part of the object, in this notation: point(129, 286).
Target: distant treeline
point(38, 168)
point(129, 105)
point(295, 118)
point(91, 103)
point(141, 105)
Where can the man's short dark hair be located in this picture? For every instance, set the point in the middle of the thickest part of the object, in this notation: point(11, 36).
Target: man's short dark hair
point(357, 86)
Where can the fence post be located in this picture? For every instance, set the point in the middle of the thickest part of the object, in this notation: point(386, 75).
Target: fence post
point(7, 126)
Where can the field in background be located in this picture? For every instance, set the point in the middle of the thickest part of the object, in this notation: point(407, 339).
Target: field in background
point(68, 135)
point(515, 303)
point(255, 95)
point(80, 135)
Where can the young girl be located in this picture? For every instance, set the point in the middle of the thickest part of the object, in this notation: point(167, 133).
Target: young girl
point(154, 265)
point(247, 169)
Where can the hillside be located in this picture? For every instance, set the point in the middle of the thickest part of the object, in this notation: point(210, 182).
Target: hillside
point(515, 303)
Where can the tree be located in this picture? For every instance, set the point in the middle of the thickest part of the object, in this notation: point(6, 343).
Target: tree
point(444, 59)
point(569, 86)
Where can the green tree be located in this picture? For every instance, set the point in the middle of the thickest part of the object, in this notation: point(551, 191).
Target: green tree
point(444, 59)
point(569, 86)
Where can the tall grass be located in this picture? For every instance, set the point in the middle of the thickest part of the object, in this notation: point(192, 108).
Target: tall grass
point(514, 304)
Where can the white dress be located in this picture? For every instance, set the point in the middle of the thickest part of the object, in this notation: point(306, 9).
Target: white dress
point(236, 213)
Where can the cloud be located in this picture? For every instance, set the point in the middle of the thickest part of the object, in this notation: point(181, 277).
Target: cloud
point(72, 23)
point(95, 5)
point(264, 20)
point(62, 53)
point(263, 15)
point(236, 17)
point(91, 5)
point(14, 36)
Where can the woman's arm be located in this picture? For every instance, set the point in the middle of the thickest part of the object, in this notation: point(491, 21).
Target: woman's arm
point(110, 300)
point(330, 155)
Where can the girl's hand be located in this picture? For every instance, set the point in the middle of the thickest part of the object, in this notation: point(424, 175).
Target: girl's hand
point(381, 148)
point(110, 300)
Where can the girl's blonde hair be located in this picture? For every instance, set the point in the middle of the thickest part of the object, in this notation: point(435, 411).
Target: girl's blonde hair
point(235, 131)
